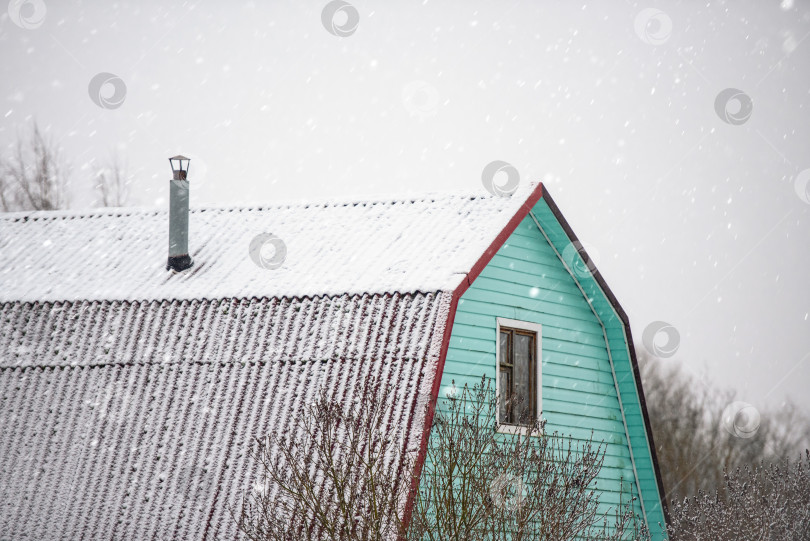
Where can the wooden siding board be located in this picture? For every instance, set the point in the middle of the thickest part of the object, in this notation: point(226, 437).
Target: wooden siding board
point(558, 335)
point(579, 355)
point(528, 303)
point(538, 271)
point(546, 290)
point(471, 324)
point(532, 311)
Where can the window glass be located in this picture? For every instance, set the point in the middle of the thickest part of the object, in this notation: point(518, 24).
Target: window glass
point(505, 392)
point(522, 408)
point(505, 347)
point(517, 377)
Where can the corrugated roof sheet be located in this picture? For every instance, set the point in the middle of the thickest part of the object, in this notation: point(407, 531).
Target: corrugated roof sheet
point(424, 244)
point(132, 420)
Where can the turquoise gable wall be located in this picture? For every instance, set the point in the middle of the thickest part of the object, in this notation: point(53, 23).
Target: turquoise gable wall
point(527, 281)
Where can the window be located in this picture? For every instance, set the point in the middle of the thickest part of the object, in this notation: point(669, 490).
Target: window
point(518, 374)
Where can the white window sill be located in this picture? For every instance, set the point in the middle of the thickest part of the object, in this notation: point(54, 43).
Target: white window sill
point(502, 428)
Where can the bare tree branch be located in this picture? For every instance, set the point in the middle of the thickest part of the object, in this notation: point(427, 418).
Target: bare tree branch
point(112, 183)
point(530, 485)
point(34, 177)
point(342, 474)
point(335, 476)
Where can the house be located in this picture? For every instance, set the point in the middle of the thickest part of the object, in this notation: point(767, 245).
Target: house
point(129, 393)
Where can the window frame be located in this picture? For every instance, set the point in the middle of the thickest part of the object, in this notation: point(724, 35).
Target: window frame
point(527, 326)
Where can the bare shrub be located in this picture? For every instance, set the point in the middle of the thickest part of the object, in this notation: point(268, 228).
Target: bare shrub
point(530, 485)
point(344, 473)
point(334, 476)
point(770, 501)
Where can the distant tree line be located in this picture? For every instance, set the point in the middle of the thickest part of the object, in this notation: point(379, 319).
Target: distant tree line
point(722, 485)
point(694, 445)
point(34, 175)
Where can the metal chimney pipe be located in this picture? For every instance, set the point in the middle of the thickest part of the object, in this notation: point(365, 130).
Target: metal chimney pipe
point(178, 215)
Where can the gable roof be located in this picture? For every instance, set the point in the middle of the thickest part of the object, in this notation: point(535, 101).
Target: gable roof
point(355, 247)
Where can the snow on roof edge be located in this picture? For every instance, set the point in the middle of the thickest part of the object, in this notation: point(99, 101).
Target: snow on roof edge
point(293, 297)
point(334, 201)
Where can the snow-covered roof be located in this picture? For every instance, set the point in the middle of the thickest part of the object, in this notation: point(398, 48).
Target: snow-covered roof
point(133, 420)
point(411, 244)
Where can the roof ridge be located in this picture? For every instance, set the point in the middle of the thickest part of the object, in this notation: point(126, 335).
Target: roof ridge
point(344, 201)
point(293, 298)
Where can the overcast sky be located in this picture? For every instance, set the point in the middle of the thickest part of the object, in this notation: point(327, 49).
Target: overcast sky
point(694, 207)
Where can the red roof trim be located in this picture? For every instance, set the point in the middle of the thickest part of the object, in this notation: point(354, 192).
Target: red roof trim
point(466, 282)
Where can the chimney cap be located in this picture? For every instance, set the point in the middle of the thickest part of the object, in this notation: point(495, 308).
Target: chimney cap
point(179, 168)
